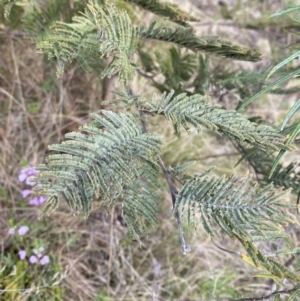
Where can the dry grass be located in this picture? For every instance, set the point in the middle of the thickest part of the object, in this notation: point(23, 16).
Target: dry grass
point(97, 259)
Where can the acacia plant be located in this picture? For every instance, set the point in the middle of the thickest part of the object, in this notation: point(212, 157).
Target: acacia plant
point(115, 158)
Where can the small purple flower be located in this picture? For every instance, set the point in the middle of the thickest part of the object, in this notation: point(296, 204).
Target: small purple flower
point(22, 175)
point(33, 259)
point(38, 257)
point(22, 254)
point(27, 172)
point(37, 201)
point(23, 230)
point(26, 193)
point(45, 260)
point(11, 231)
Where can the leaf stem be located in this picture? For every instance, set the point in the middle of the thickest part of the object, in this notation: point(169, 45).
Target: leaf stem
point(173, 190)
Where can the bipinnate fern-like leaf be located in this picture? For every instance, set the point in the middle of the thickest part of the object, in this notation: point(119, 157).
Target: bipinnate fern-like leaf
point(41, 16)
point(283, 176)
point(194, 110)
point(267, 264)
point(103, 31)
point(109, 160)
point(288, 176)
point(187, 38)
point(77, 41)
point(178, 67)
point(118, 39)
point(234, 206)
point(165, 9)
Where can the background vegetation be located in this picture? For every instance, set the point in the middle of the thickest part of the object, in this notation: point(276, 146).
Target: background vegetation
point(95, 258)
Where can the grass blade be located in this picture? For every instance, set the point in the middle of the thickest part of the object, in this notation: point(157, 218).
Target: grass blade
point(290, 139)
point(249, 153)
point(268, 88)
point(284, 62)
point(276, 162)
point(291, 112)
point(285, 11)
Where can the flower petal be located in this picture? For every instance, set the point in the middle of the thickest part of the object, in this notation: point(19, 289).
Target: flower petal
point(33, 259)
point(31, 171)
point(23, 230)
point(45, 260)
point(22, 254)
point(42, 200)
point(11, 231)
point(34, 201)
point(37, 201)
point(26, 193)
point(22, 176)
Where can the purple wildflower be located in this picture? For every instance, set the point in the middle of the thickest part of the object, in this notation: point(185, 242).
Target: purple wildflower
point(37, 201)
point(26, 173)
point(22, 254)
point(23, 230)
point(26, 193)
point(11, 231)
point(33, 259)
point(45, 260)
point(38, 257)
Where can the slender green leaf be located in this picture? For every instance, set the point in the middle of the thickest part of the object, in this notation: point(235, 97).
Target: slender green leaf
point(249, 153)
point(288, 251)
point(294, 296)
point(291, 112)
point(290, 139)
point(268, 88)
point(276, 162)
point(179, 169)
point(285, 11)
point(294, 133)
point(284, 62)
point(268, 276)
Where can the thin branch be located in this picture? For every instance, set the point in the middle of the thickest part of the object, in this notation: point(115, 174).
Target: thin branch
point(141, 112)
point(108, 85)
point(111, 242)
point(265, 297)
point(225, 250)
point(173, 190)
point(146, 75)
point(239, 147)
point(298, 200)
point(213, 156)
